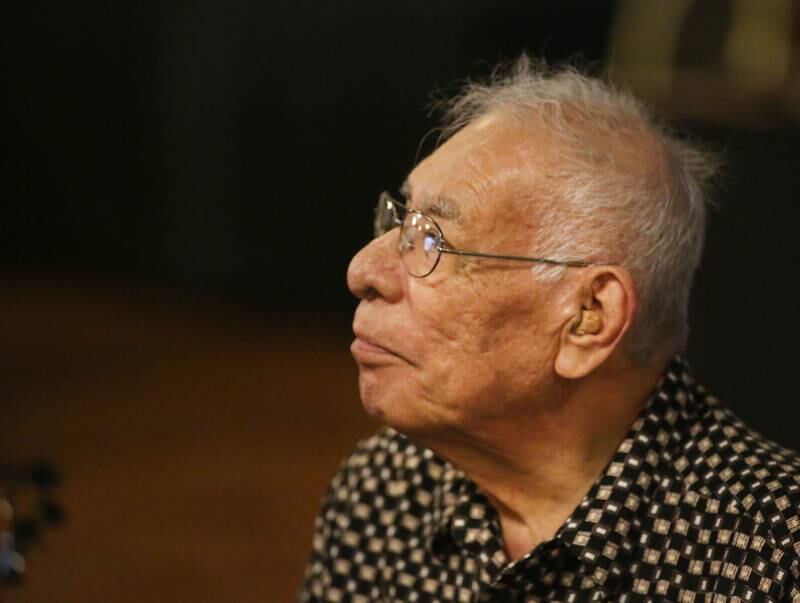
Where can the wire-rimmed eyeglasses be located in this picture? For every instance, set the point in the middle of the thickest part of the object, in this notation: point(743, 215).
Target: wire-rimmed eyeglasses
point(422, 241)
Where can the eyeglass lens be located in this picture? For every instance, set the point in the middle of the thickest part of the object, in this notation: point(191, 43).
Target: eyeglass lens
point(420, 238)
point(419, 244)
point(386, 216)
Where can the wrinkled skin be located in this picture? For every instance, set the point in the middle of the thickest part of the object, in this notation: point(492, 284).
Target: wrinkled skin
point(468, 350)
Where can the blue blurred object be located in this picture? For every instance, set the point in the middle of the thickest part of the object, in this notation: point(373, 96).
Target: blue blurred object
point(21, 528)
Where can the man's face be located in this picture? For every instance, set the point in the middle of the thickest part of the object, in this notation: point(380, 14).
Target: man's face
point(472, 344)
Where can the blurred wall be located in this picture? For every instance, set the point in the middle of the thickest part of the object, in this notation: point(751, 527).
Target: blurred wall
point(235, 148)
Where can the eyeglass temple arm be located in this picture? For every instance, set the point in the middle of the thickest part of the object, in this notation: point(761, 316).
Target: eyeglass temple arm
point(476, 254)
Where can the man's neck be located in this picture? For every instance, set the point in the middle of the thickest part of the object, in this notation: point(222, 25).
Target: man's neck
point(536, 469)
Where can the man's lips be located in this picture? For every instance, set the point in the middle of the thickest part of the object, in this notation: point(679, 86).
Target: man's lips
point(367, 350)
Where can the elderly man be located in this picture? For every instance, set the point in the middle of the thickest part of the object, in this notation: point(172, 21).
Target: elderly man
point(522, 309)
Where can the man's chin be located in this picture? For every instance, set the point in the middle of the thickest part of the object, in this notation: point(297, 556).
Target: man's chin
point(393, 408)
point(373, 409)
point(387, 410)
point(395, 417)
point(371, 398)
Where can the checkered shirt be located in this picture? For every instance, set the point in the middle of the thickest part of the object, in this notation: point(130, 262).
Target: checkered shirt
point(693, 507)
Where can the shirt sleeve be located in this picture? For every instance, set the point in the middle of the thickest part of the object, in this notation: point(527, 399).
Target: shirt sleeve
point(317, 577)
point(793, 588)
point(330, 571)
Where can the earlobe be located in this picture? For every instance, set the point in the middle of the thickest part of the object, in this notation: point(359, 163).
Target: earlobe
point(578, 341)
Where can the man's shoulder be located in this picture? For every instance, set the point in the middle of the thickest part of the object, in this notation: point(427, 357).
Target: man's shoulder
point(386, 468)
point(725, 459)
point(385, 444)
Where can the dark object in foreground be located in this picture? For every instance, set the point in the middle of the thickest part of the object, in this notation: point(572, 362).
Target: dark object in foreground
point(27, 507)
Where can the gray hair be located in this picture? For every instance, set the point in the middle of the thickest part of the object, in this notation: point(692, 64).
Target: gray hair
point(629, 191)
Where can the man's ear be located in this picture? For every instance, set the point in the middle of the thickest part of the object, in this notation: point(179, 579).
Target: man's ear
point(605, 309)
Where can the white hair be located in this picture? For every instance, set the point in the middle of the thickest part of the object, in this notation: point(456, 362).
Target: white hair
point(626, 189)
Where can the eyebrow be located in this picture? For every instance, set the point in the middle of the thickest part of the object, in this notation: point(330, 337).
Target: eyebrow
point(438, 206)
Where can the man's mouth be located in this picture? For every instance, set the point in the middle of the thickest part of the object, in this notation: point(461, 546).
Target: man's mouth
point(368, 351)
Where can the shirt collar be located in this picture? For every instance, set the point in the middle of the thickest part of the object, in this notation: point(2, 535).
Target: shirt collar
point(603, 531)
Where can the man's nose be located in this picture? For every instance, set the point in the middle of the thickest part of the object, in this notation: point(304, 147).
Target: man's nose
point(377, 270)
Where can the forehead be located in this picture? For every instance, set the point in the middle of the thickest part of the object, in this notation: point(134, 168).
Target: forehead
point(487, 170)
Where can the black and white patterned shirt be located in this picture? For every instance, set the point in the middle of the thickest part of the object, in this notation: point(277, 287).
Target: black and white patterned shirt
point(693, 506)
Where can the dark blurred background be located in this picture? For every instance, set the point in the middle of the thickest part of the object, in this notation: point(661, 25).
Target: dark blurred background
point(182, 187)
